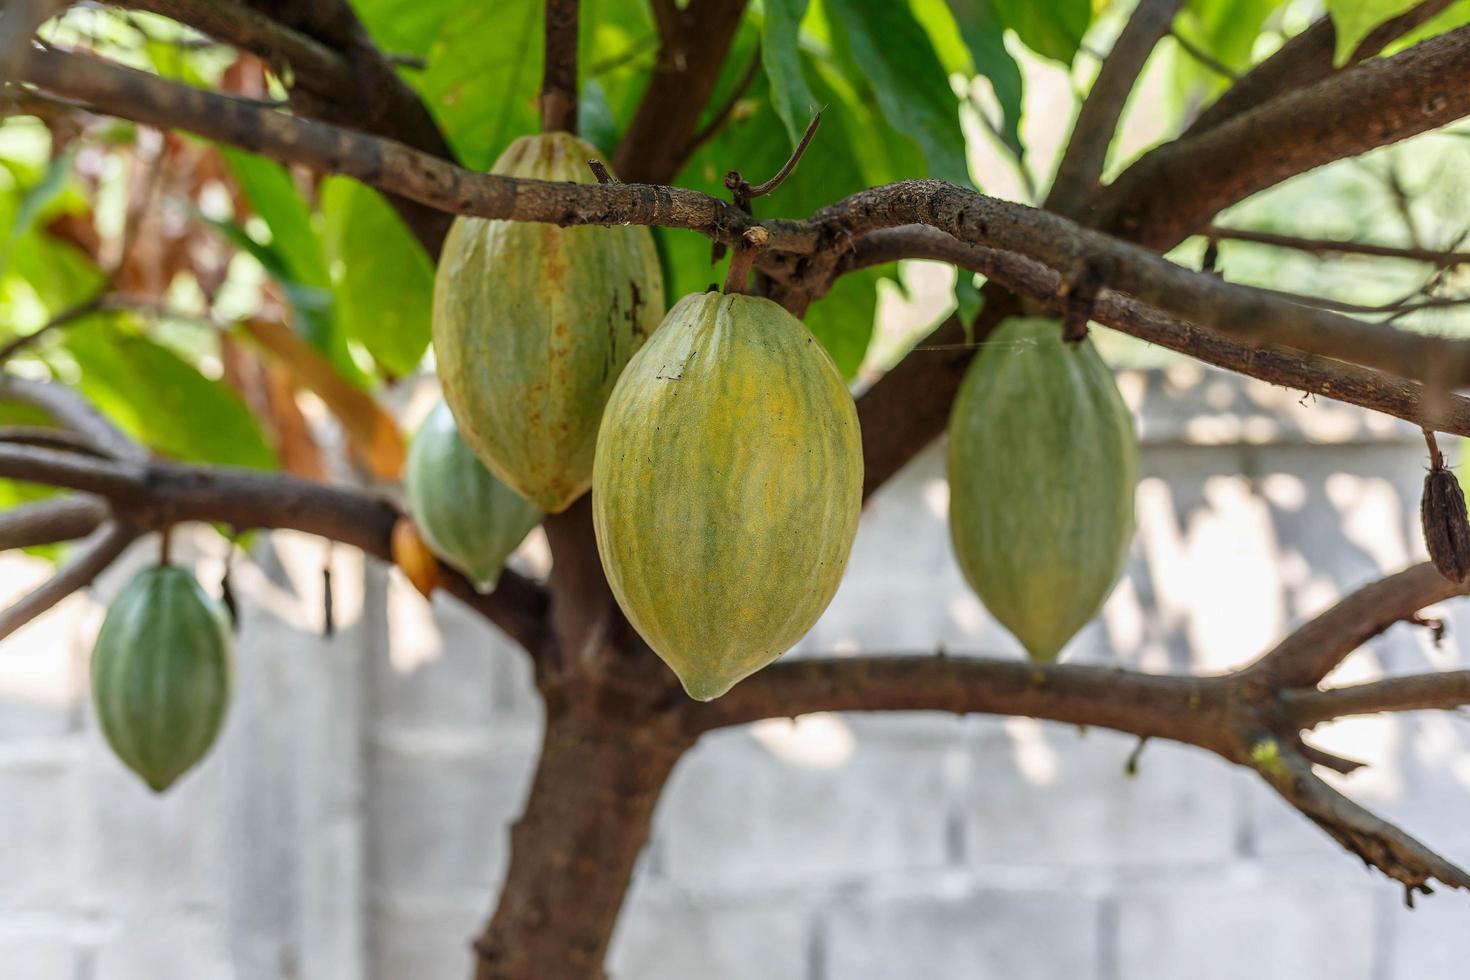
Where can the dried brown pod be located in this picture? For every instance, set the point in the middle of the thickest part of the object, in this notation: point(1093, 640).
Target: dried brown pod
point(1446, 526)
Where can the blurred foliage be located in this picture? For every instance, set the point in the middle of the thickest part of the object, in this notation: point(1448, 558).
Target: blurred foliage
point(334, 294)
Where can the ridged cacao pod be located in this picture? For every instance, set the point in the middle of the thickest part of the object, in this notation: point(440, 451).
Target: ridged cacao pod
point(161, 674)
point(470, 519)
point(727, 487)
point(533, 324)
point(1042, 466)
point(1446, 531)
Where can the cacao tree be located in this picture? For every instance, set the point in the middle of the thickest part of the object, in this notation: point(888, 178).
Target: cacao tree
point(218, 207)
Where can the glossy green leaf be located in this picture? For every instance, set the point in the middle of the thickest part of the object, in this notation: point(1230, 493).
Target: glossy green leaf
point(272, 194)
point(595, 122)
point(781, 56)
point(1226, 30)
point(162, 400)
point(984, 33)
point(896, 55)
point(383, 283)
point(483, 77)
point(312, 314)
point(1051, 28)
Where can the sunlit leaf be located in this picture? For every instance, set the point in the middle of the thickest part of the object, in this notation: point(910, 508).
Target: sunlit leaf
point(790, 96)
point(162, 400)
point(383, 283)
point(1053, 29)
point(984, 34)
point(1355, 19)
point(896, 55)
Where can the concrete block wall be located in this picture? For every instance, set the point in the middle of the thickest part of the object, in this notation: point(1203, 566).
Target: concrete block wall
point(355, 821)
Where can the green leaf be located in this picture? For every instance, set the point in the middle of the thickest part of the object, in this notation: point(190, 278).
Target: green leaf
point(984, 33)
point(843, 319)
point(1455, 15)
point(1053, 28)
point(781, 56)
point(892, 50)
point(1355, 19)
point(595, 122)
point(312, 314)
point(273, 195)
point(483, 77)
point(384, 283)
point(1227, 30)
point(36, 200)
point(163, 400)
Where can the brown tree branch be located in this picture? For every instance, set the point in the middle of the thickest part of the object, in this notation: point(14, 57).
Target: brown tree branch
point(1420, 692)
point(1323, 246)
point(1081, 169)
point(696, 41)
point(1176, 189)
point(156, 494)
point(1314, 649)
point(19, 20)
point(1184, 709)
point(970, 217)
point(1304, 60)
point(337, 75)
point(559, 77)
point(1379, 843)
point(72, 411)
point(313, 64)
point(1282, 366)
point(49, 521)
point(100, 551)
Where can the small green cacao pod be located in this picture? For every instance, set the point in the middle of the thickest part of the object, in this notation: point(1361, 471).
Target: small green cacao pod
point(1042, 466)
point(1446, 529)
point(727, 487)
point(470, 519)
point(161, 674)
point(533, 324)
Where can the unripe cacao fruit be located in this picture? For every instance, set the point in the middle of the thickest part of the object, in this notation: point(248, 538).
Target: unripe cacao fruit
point(1042, 466)
point(533, 323)
point(470, 519)
point(161, 674)
point(727, 487)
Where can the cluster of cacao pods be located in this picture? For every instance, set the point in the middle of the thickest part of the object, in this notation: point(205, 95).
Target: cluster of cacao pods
point(724, 455)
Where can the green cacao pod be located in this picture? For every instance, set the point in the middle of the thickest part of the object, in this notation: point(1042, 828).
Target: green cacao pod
point(470, 519)
point(161, 674)
point(727, 487)
point(1042, 464)
point(533, 324)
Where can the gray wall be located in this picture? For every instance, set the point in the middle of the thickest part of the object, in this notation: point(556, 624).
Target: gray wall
point(354, 822)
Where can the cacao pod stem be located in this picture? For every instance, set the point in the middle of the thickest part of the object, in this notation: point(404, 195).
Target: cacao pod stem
point(1442, 512)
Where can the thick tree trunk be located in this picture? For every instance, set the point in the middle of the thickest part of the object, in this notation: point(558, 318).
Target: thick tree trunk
point(601, 771)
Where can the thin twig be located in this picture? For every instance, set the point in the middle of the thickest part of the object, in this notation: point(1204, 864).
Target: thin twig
point(63, 518)
point(1319, 246)
point(1203, 57)
point(101, 550)
point(742, 189)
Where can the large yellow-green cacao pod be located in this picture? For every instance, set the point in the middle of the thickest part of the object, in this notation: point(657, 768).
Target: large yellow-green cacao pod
point(533, 324)
point(161, 674)
point(470, 519)
point(727, 488)
point(1042, 464)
